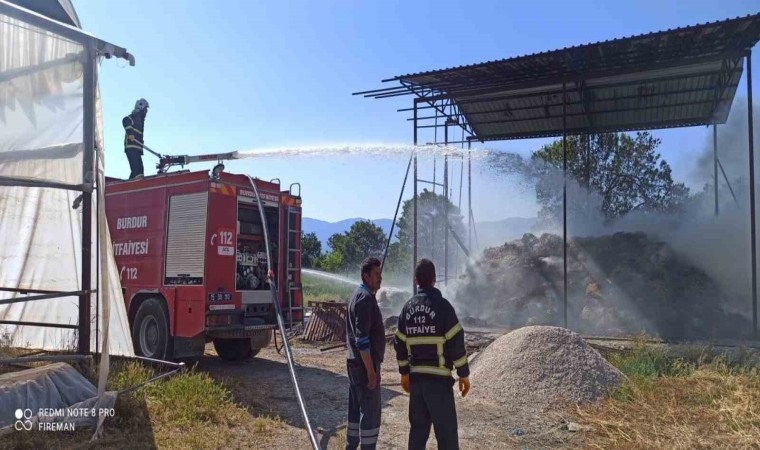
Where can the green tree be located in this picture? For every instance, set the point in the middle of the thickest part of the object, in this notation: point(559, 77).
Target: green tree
point(431, 229)
point(330, 262)
point(625, 171)
point(363, 240)
point(311, 249)
point(350, 248)
point(398, 259)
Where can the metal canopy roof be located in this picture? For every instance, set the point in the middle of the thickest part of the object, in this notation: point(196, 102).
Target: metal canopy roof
point(681, 77)
point(61, 10)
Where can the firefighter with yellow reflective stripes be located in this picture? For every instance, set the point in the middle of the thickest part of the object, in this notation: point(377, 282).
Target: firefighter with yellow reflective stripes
point(134, 129)
point(429, 344)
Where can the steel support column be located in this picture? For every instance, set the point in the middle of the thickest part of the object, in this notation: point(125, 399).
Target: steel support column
point(432, 219)
point(469, 195)
point(750, 126)
point(588, 163)
point(564, 199)
point(446, 206)
point(87, 182)
point(414, 221)
point(715, 166)
point(459, 207)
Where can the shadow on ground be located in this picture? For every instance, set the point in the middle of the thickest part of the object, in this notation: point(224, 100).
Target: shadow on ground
point(264, 387)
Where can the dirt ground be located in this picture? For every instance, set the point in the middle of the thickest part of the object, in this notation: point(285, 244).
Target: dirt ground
point(263, 386)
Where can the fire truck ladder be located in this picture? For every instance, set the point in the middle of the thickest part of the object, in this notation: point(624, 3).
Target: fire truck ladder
point(293, 258)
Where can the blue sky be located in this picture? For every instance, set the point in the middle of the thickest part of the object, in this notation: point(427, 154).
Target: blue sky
point(243, 75)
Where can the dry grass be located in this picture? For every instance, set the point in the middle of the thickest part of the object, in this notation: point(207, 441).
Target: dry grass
point(692, 402)
point(338, 441)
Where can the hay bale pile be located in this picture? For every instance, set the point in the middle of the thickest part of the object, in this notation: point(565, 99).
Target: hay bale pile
point(621, 284)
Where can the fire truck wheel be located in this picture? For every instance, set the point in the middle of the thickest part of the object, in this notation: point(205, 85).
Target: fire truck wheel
point(150, 334)
point(233, 349)
point(261, 339)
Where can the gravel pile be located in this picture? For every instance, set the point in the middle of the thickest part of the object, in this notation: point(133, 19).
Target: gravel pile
point(533, 367)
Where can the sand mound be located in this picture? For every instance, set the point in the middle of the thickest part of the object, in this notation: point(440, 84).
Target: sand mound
point(532, 367)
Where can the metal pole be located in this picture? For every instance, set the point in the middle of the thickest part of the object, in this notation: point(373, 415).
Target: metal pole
point(750, 126)
point(395, 215)
point(459, 206)
point(446, 207)
point(588, 172)
point(461, 180)
point(588, 162)
point(434, 167)
point(715, 164)
point(469, 194)
point(414, 231)
point(431, 237)
point(33, 298)
point(564, 197)
point(728, 183)
point(47, 358)
point(446, 217)
point(87, 181)
point(97, 253)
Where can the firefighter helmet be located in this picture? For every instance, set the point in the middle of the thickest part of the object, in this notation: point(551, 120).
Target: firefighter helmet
point(141, 105)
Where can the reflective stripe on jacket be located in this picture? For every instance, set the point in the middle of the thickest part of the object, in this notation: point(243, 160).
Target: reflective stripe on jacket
point(430, 339)
point(134, 125)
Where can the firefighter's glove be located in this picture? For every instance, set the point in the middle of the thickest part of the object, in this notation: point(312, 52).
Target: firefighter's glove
point(464, 386)
point(405, 383)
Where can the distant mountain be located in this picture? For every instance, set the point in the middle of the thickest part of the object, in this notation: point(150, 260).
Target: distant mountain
point(489, 233)
point(324, 230)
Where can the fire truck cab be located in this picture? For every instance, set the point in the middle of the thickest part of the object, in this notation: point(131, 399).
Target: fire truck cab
point(190, 251)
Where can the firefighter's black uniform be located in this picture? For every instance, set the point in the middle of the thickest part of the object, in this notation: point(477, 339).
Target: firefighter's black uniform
point(429, 344)
point(134, 125)
point(364, 332)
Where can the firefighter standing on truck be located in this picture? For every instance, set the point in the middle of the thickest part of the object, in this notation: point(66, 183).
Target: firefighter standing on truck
point(134, 128)
point(429, 344)
point(365, 335)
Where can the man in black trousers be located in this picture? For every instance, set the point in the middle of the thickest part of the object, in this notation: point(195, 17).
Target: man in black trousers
point(365, 336)
point(429, 344)
point(134, 129)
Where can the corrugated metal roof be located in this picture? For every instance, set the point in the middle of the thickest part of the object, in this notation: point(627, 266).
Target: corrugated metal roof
point(681, 77)
point(61, 10)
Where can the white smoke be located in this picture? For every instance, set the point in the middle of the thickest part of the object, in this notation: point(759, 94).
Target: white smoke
point(718, 245)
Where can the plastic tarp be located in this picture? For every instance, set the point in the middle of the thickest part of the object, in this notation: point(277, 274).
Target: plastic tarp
point(60, 391)
point(42, 138)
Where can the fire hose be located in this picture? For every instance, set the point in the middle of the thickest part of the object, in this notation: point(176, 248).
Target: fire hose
point(281, 323)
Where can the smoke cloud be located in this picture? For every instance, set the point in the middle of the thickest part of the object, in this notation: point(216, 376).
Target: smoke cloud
point(718, 245)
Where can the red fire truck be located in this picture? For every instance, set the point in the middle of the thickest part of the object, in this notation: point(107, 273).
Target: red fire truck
point(190, 251)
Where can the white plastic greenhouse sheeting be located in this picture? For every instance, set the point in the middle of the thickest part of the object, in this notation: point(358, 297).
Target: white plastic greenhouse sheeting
point(41, 138)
